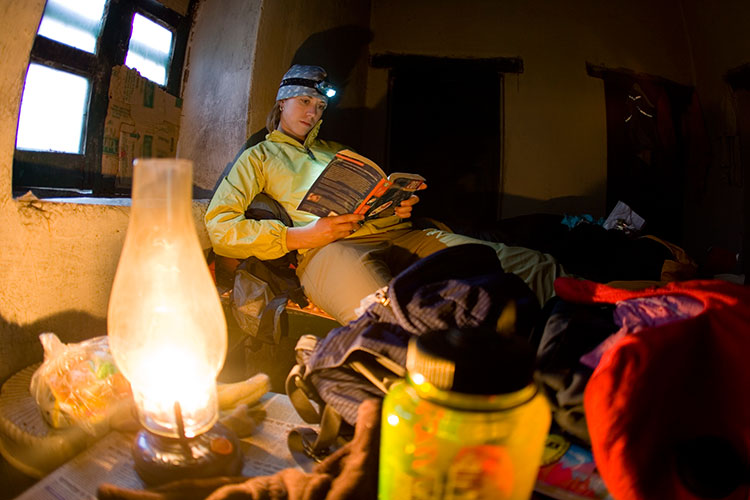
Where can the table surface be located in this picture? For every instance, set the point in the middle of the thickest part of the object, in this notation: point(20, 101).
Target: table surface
point(109, 460)
point(265, 452)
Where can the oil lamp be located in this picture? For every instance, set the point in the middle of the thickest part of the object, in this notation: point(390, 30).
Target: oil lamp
point(167, 331)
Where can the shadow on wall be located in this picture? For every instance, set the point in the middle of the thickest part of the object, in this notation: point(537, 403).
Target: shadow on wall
point(20, 346)
point(337, 50)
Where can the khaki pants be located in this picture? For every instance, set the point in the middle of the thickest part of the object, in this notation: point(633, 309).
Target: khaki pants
point(337, 276)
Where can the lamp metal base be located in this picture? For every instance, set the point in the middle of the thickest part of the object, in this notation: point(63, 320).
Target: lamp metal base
point(159, 459)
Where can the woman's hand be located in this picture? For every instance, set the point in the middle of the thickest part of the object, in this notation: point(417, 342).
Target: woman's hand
point(323, 231)
point(404, 210)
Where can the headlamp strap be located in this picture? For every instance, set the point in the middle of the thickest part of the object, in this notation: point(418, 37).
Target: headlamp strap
point(320, 86)
point(303, 82)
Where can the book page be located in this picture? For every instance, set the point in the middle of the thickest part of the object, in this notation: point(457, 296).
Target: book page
point(341, 187)
point(110, 459)
point(363, 159)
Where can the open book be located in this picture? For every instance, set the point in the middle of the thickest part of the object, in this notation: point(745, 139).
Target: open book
point(353, 184)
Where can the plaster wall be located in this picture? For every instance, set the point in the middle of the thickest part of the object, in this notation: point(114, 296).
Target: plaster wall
point(218, 66)
point(719, 43)
point(58, 259)
point(238, 53)
point(330, 33)
point(555, 155)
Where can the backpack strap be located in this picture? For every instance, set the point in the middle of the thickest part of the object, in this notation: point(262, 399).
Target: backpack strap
point(308, 446)
point(300, 393)
point(271, 324)
point(272, 320)
point(380, 370)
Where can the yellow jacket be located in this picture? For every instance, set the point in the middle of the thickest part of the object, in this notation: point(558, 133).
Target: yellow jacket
point(284, 169)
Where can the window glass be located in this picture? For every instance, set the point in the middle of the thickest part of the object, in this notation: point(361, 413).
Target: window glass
point(64, 107)
point(150, 49)
point(73, 22)
point(53, 108)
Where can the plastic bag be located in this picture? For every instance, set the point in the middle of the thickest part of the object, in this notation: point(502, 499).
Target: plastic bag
point(78, 384)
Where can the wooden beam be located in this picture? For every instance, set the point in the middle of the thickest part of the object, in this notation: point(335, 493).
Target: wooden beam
point(499, 64)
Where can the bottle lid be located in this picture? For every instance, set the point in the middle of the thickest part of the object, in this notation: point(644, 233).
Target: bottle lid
point(472, 361)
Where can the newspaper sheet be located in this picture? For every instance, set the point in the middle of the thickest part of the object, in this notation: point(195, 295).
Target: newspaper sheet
point(110, 459)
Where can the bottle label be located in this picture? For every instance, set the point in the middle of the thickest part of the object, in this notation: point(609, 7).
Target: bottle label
point(483, 471)
point(435, 467)
point(431, 451)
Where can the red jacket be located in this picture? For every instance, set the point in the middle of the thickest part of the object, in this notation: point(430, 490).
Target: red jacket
point(661, 398)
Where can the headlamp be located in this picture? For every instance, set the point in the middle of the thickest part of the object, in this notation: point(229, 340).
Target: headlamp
point(326, 89)
point(323, 87)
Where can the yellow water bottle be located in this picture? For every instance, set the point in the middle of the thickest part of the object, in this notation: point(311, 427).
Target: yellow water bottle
point(467, 423)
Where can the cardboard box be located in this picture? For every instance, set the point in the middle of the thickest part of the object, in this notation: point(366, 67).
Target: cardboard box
point(143, 121)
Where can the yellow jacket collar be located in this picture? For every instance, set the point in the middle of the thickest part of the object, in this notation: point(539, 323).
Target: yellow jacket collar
point(279, 136)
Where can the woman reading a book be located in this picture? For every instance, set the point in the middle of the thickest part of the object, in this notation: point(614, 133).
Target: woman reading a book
point(341, 259)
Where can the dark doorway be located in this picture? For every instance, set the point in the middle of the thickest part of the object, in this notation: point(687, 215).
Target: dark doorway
point(647, 149)
point(739, 80)
point(445, 122)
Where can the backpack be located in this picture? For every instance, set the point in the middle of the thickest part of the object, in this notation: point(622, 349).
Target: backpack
point(458, 287)
point(263, 287)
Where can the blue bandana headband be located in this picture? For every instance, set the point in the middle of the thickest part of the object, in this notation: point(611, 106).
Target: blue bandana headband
point(304, 80)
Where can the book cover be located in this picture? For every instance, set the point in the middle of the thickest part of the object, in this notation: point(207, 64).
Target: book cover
point(568, 472)
point(351, 183)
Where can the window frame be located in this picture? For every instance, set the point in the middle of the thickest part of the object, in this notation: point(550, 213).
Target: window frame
point(66, 174)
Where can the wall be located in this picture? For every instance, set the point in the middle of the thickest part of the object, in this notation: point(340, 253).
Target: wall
point(555, 134)
point(218, 68)
point(58, 259)
point(239, 52)
point(330, 33)
point(719, 43)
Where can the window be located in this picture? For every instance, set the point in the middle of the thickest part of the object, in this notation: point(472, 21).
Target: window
point(52, 117)
point(64, 103)
point(77, 24)
point(150, 49)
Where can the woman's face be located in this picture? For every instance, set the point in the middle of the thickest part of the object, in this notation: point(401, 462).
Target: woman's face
point(300, 114)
